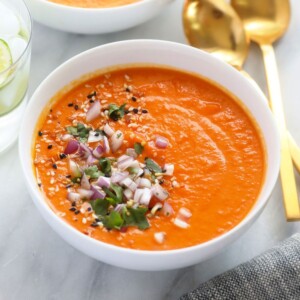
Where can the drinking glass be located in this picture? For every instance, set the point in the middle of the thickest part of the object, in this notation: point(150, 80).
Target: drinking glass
point(15, 50)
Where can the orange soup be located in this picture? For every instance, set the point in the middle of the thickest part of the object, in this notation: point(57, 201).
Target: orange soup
point(149, 158)
point(94, 3)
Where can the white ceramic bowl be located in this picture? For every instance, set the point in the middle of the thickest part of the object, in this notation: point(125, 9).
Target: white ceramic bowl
point(94, 20)
point(163, 53)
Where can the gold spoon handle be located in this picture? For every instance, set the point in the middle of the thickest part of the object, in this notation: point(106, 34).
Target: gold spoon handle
point(288, 183)
point(294, 149)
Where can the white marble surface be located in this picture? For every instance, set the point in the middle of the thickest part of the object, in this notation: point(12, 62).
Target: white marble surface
point(35, 263)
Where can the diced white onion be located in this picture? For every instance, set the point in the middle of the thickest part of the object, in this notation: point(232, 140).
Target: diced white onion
point(184, 213)
point(146, 197)
point(180, 223)
point(167, 209)
point(104, 181)
point(116, 140)
point(128, 194)
point(169, 169)
point(66, 137)
point(94, 111)
point(137, 195)
point(131, 152)
point(94, 136)
point(85, 184)
point(74, 197)
point(144, 183)
point(108, 130)
point(161, 142)
point(106, 145)
point(159, 192)
point(85, 194)
point(74, 169)
point(117, 177)
point(160, 237)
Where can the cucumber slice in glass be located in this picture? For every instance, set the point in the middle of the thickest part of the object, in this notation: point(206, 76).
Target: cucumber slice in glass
point(5, 61)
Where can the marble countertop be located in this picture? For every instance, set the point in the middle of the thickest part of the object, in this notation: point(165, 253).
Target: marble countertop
point(35, 263)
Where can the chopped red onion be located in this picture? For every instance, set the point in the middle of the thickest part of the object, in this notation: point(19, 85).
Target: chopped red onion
point(74, 197)
point(94, 111)
point(144, 183)
point(85, 194)
point(160, 237)
point(98, 193)
point(129, 184)
point(92, 160)
point(116, 140)
point(146, 197)
point(128, 194)
point(71, 147)
point(117, 177)
point(103, 182)
point(74, 169)
point(85, 184)
point(119, 207)
point(159, 192)
point(131, 152)
point(125, 163)
point(106, 145)
point(98, 151)
point(169, 169)
point(94, 136)
point(161, 142)
point(137, 195)
point(167, 209)
point(84, 151)
point(108, 130)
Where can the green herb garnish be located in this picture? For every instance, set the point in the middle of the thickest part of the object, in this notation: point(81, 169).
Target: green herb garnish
point(115, 193)
point(93, 172)
point(115, 112)
point(138, 148)
point(136, 217)
point(105, 164)
point(79, 131)
point(100, 206)
point(113, 221)
point(152, 166)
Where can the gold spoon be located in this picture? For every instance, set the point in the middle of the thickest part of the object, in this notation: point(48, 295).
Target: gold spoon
point(265, 22)
point(214, 26)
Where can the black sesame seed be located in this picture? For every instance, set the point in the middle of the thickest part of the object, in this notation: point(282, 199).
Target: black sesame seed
point(135, 110)
point(97, 134)
point(97, 220)
point(54, 166)
point(72, 209)
point(40, 133)
point(89, 209)
point(73, 203)
point(133, 98)
point(127, 89)
point(68, 186)
point(91, 95)
point(70, 104)
point(126, 112)
point(144, 111)
point(92, 101)
point(76, 107)
point(62, 156)
point(51, 110)
point(68, 176)
point(77, 212)
point(39, 184)
point(94, 225)
point(161, 181)
point(49, 147)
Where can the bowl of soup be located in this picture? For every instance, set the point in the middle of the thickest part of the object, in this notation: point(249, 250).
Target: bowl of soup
point(94, 16)
point(148, 155)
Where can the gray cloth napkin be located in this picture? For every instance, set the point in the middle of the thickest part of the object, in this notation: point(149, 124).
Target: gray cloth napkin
point(274, 275)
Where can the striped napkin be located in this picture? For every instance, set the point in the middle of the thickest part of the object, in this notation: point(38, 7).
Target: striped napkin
point(273, 275)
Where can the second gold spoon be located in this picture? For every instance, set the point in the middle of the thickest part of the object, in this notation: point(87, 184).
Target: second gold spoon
point(213, 25)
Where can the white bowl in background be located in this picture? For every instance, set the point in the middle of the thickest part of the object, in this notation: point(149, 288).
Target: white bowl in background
point(159, 53)
point(94, 20)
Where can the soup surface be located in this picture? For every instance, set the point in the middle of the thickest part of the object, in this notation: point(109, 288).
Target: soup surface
point(149, 158)
point(94, 3)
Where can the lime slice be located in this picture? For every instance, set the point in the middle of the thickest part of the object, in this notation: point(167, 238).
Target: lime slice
point(5, 61)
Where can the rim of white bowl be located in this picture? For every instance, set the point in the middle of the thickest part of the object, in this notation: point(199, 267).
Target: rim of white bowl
point(31, 180)
point(97, 9)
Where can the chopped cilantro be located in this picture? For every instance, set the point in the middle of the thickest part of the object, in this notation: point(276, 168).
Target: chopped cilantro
point(93, 172)
point(100, 206)
point(136, 217)
point(115, 193)
point(79, 131)
point(115, 112)
point(138, 148)
point(113, 221)
point(152, 166)
point(105, 164)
